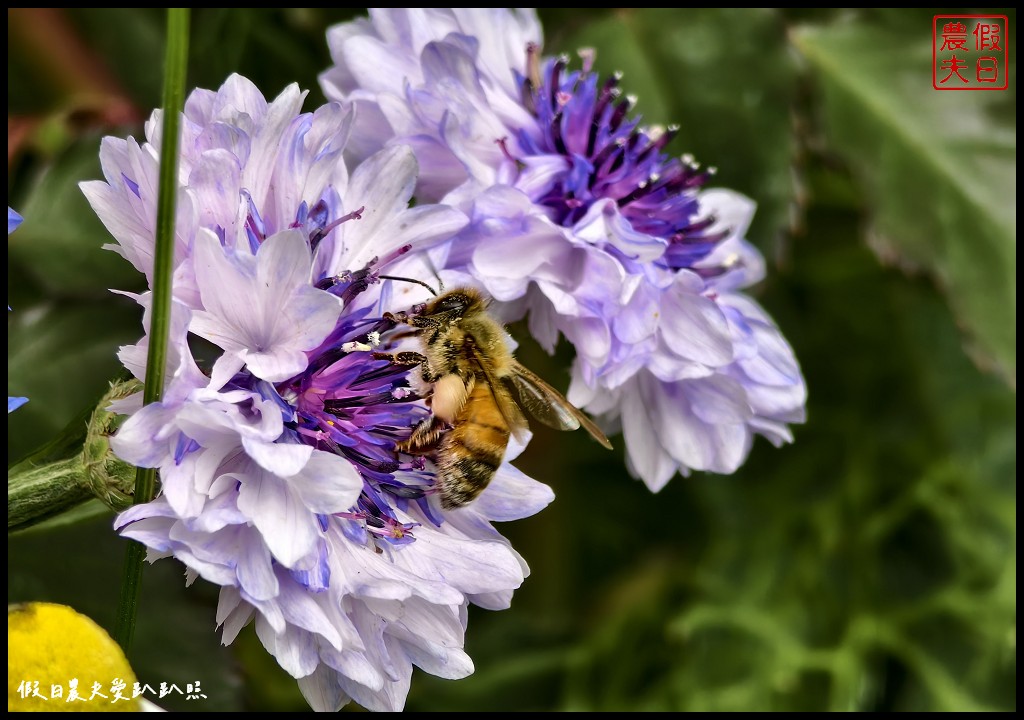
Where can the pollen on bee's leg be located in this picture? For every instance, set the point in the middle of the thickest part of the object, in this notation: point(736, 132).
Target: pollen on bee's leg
point(403, 358)
point(424, 437)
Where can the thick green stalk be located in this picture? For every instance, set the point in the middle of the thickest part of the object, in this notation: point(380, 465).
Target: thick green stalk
point(38, 493)
point(48, 483)
point(175, 66)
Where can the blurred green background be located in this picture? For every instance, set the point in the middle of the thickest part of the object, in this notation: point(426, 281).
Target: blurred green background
point(871, 565)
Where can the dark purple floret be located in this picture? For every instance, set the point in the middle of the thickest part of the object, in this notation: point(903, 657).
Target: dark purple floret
point(347, 403)
point(610, 155)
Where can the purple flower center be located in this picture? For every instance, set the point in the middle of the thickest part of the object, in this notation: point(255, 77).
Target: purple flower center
point(350, 404)
point(608, 155)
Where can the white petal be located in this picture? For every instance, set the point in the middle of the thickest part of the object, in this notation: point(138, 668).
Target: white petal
point(288, 528)
point(215, 182)
point(378, 67)
point(266, 143)
point(382, 185)
point(263, 306)
point(143, 440)
point(646, 455)
point(470, 566)
point(298, 315)
point(255, 569)
point(355, 665)
point(512, 495)
point(294, 650)
point(718, 400)
point(322, 691)
point(604, 224)
point(695, 327)
point(232, 613)
point(281, 459)
point(733, 210)
point(327, 484)
point(302, 610)
point(688, 439)
point(176, 483)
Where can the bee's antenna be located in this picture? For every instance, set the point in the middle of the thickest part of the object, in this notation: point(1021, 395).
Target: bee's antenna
point(412, 280)
point(434, 272)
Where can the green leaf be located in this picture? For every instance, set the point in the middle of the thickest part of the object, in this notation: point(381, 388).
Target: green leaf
point(131, 40)
point(725, 77)
point(939, 169)
point(86, 512)
point(61, 356)
point(271, 46)
point(60, 243)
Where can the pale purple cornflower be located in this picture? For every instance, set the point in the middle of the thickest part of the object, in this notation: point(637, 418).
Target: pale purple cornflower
point(13, 221)
point(580, 221)
point(279, 476)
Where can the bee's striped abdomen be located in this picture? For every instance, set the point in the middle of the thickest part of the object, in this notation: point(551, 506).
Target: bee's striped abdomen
point(472, 450)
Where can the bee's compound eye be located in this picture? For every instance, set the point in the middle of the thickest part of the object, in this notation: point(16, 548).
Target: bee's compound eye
point(453, 303)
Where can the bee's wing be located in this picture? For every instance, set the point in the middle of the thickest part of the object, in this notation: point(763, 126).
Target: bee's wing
point(549, 406)
point(507, 406)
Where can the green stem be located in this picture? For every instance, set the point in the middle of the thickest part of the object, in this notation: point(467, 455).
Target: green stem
point(48, 483)
point(175, 66)
point(37, 493)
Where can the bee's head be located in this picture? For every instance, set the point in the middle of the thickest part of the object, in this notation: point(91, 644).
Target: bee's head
point(456, 303)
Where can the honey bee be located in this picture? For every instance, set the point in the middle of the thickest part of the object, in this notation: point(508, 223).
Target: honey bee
point(479, 389)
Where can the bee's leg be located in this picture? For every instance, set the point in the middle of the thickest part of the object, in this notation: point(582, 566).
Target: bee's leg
point(405, 318)
point(410, 359)
point(398, 318)
point(425, 437)
point(402, 335)
point(403, 358)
